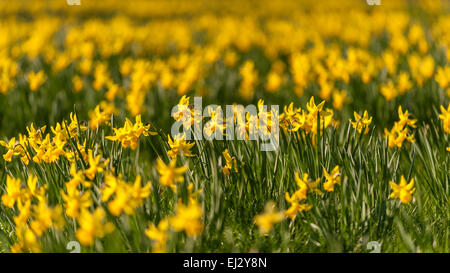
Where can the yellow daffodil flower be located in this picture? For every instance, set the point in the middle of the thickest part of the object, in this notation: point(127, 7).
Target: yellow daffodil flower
point(334, 177)
point(179, 145)
point(170, 174)
point(361, 122)
point(403, 190)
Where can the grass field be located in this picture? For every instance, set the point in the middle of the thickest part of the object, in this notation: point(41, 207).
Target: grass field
point(86, 100)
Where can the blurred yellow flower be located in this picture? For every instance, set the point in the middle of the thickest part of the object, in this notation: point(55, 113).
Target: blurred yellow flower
point(295, 207)
point(75, 201)
point(158, 234)
point(403, 82)
point(10, 146)
point(403, 190)
point(96, 165)
point(170, 174)
point(26, 241)
point(339, 98)
point(268, 218)
point(77, 83)
point(445, 117)
point(127, 197)
point(45, 217)
point(92, 225)
point(332, 178)
point(443, 76)
point(249, 79)
point(13, 191)
point(35, 80)
point(188, 218)
point(274, 81)
point(388, 90)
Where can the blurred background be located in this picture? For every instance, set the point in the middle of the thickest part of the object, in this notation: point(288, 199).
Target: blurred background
point(140, 57)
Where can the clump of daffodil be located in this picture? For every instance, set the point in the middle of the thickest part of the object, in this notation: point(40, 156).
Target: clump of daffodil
point(361, 122)
point(268, 218)
point(263, 119)
point(129, 134)
point(401, 130)
point(332, 178)
point(45, 217)
point(49, 149)
point(293, 119)
point(35, 215)
point(179, 145)
point(35, 80)
point(64, 131)
point(188, 218)
point(20, 147)
point(16, 194)
point(125, 66)
point(8, 71)
point(35, 136)
point(92, 225)
point(248, 126)
point(403, 190)
point(27, 241)
point(81, 152)
point(13, 191)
